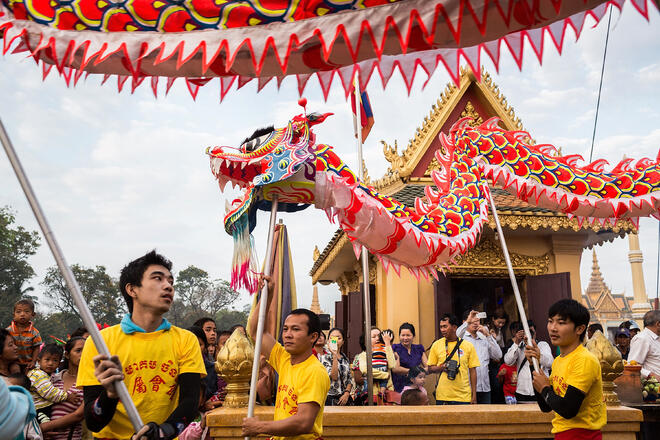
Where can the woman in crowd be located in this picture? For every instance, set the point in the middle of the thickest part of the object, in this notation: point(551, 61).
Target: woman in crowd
point(408, 355)
point(339, 369)
point(8, 355)
point(66, 417)
point(381, 376)
point(319, 346)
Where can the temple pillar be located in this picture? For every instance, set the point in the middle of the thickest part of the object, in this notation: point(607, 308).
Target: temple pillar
point(404, 298)
point(641, 302)
point(567, 252)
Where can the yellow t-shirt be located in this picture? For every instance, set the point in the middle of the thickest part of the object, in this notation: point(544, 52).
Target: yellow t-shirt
point(580, 369)
point(307, 381)
point(152, 363)
point(457, 390)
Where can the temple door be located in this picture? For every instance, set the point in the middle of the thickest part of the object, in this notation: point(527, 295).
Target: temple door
point(354, 326)
point(341, 309)
point(542, 292)
point(443, 300)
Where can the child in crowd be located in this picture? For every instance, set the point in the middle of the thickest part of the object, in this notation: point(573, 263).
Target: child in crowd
point(42, 389)
point(379, 359)
point(26, 336)
point(197, 430)
point(416, 380)
point(414, 397)
point(31, 431)
point(508, 376)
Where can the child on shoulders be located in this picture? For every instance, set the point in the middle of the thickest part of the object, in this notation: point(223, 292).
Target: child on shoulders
point(26, 336)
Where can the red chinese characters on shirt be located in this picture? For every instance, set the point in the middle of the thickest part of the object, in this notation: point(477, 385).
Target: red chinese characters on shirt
point(287, 399)
point(144, 369)
point(559, 385)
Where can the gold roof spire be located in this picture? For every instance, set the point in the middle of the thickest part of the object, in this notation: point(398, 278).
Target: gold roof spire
point(316, 306)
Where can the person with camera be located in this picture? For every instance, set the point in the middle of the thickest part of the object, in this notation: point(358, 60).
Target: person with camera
point(487, 350)
point(515, 356)
point(456, 361)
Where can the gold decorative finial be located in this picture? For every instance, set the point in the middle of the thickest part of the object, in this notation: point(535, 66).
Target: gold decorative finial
point(234, 365)
point(611, 365)
point(316, 254)
point(470, 112)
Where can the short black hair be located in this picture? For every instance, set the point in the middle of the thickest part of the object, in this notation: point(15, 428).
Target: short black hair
point(4, 334)
point(22, 380)
point(313, 320)
point(201, 321)
point(200, 333)
point(499, 313)
point(79, 332)
point(133, 272)
point(573, 311)
point(224, 333)
point(413, 372)
point(54, 349)
point(25, 302)
point(595, 327)
point(407, 326)
point(453, 319)
point(412, 396)
point(515, 326)
point(235, 326)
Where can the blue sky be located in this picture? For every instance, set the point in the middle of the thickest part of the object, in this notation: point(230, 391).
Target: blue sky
point(120, 174)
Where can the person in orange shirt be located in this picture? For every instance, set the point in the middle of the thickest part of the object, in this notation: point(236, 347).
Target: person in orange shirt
point(27, 337)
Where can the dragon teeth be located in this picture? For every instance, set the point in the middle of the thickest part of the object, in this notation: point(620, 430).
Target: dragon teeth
point(243, 165)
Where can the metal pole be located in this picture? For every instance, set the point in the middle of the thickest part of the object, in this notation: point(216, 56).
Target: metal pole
point(365, 253)
point(514, 283)
point(263, 301)
point(71, 283)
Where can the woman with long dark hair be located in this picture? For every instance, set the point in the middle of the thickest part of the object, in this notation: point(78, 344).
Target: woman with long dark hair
point(66, 417)
point(339, 369)
point(8, 355)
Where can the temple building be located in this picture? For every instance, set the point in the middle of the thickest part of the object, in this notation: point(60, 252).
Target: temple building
point(610, 309)
point(545, 246)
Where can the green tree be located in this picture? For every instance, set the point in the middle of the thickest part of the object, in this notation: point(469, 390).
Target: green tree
point(98, 288)
point(196, 295)
point(16, 245)
point(226, 318)
point(56, 324)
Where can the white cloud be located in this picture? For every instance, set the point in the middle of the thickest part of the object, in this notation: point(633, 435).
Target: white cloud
point(119, 174)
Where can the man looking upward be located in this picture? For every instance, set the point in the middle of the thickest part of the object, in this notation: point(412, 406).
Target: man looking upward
point(456, 361)
point(160, 364)
point(303, 381)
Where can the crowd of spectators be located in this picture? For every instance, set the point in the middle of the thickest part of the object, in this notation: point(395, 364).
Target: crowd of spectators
point(477, 360)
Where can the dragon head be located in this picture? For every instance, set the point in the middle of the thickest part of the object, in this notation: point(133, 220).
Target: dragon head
point(270, 161)
point(268, 155)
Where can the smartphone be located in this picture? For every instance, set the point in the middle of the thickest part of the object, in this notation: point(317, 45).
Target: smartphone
point(332, 344)
point(482, 315)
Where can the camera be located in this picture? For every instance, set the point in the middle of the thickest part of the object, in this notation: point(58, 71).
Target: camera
point(451, 368)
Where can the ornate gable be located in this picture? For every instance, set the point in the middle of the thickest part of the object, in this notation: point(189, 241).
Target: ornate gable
point(478, 100)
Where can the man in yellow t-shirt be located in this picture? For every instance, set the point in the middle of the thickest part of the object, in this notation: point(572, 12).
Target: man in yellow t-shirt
point(160, 364)
point(457, 384)
point(574, 390)
point(303, 383)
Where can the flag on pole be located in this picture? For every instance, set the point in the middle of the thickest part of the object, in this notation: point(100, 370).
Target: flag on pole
point(366, 115)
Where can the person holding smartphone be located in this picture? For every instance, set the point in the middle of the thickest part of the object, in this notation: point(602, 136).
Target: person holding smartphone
point(339, 370)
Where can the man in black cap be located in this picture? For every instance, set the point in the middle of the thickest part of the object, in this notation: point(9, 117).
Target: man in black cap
point(622, 340)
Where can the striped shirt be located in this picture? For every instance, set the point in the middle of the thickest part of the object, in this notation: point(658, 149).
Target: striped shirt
point(42, 389)
point(378, 356)
point(65, 408)
point(26, 341)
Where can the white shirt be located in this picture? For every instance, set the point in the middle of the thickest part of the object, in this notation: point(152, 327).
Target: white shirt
point(487, 349)
point(645, 349)
point(516, 355)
